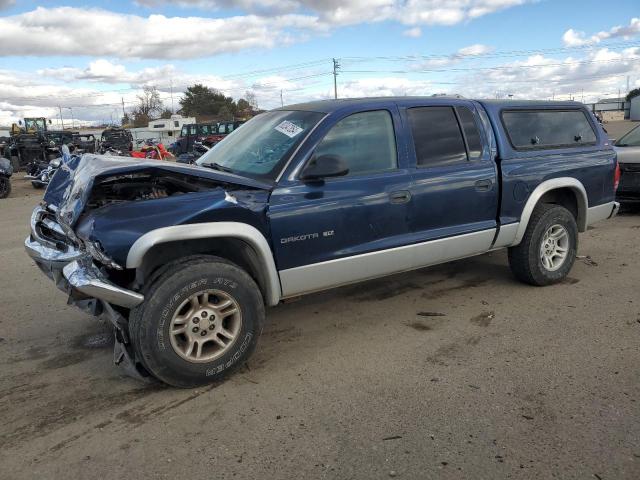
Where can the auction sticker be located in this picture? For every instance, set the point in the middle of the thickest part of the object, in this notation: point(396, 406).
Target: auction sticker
point(288, 128)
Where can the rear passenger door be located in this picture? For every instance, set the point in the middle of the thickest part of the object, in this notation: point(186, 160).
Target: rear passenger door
point(455, 189)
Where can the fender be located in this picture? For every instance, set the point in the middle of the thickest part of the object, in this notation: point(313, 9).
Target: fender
point(547, 186)
point(241, 231)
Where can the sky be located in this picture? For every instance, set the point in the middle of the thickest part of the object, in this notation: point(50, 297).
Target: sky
point(83, 59)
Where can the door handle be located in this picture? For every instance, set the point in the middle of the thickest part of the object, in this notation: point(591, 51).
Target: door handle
point(484, 185)
point(401, 196)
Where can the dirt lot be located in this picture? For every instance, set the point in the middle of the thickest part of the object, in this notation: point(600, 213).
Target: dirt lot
point(450, 372)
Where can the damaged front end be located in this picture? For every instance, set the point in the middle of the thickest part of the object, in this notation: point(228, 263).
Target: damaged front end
point(96, 207)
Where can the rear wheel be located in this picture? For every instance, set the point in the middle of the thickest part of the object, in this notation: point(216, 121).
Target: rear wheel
point(5, 186)
point(548, 249)
point(200, 320)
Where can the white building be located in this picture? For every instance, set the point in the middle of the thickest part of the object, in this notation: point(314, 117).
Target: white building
point(634, 108)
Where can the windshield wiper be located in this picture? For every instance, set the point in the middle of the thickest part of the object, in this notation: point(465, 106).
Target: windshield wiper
point(217, 166)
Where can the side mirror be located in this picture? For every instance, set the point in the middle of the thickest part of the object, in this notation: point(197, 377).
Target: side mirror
point(324, 166)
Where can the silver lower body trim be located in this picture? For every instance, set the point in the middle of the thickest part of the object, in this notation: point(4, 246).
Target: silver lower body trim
point(342, 271)
point(602, 212)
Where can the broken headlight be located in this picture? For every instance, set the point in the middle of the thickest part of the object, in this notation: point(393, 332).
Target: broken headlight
point(95, 250)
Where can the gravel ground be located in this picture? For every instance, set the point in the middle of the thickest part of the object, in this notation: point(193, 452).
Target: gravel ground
point(452, 372)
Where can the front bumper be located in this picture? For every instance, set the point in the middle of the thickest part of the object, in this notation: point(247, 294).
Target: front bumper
point(74, 272)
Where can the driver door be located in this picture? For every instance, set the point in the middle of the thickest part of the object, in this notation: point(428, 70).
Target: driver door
point(326, 233)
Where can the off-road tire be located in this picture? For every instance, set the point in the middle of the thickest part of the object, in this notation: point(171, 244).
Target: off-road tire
point(149, 323)
point(524, 259)
point(5, 187)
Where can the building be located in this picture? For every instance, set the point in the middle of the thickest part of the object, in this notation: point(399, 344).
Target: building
point(610, 109)
point(634, 108)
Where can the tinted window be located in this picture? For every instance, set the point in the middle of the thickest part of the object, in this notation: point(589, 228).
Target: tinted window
point(548, 128)
point(365, 141)
point(471, 133)
point(436, 136)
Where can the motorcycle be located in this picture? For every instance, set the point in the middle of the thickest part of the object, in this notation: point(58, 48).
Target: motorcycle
point(6, 170)
point(40, 173)
point(155, 151)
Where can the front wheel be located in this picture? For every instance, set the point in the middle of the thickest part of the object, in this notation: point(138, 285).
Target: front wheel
point(200, 320)
point(548, 249)
point(5, 186)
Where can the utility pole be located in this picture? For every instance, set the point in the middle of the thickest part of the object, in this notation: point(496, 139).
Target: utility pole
point(73, 125)
point(171, 86)
point(123, 112)
point(281, 99)
point(61, 120)
point(627, 84)
point(336, 67)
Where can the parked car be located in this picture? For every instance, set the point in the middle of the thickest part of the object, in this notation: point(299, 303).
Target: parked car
point(184, 259)
point(6, 171)
point(628, 149)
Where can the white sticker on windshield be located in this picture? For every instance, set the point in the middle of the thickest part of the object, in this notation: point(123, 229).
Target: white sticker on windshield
point(289, 129)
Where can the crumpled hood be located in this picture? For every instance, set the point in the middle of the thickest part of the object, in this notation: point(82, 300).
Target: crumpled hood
point(71, 186)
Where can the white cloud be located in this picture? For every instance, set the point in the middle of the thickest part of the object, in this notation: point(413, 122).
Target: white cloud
point(269, 24)
point(343, 12)
point(441, 61)
point(384, 86)
point(413, 32)
point(476, 49)
point(598, 74)
point(97, 32)
point(574, 38)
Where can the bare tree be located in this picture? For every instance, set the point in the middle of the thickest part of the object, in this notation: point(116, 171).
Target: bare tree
point(149, 103)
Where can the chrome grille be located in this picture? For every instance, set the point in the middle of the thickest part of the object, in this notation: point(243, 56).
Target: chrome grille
point(46, 230)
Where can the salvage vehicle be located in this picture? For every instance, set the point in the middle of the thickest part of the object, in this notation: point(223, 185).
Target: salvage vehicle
point(628, 149)
point(183, 260)
point(30, 142)
point(116, 139)
point(195, 134)
point(86, 143)
point(6, 171)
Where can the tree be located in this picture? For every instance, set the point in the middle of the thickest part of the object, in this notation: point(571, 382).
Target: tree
point(149, 105)
point(251, 98)
point(225, 113)
point(632, 94)
point(140, 119)
point(243, 105)
point(126, 120)
point(166, 114)
point(199, 100)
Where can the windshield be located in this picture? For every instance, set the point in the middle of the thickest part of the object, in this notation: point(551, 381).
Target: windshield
point(260, 147)
point(631, 139)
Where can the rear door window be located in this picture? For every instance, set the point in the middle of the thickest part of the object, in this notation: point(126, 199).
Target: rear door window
point(540, 129)
point(437, 137)
point(471, 133)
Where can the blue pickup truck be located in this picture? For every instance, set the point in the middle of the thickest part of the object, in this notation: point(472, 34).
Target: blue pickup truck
point(184, 259)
